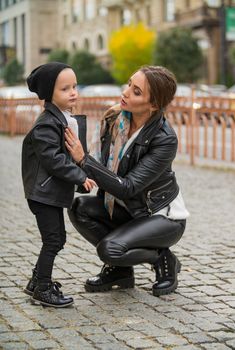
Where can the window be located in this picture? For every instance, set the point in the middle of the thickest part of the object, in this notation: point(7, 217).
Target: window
point(100, 42)
point(137, 15)
point(5, 33)
point(15, 30)
point(86, 44)
point(89, 9)
point(103, 11)
point(126, 17)
point(76, 10)
point(148, 15)
point(23, 39)
point(169, 10)
point(44, 50)
point(65, 21)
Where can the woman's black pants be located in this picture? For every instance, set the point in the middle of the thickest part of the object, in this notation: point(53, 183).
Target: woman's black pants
point(50, 222)
point(122, 240)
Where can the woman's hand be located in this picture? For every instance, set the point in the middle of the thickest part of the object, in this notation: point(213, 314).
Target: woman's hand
point(89, 184)
point(74, 145)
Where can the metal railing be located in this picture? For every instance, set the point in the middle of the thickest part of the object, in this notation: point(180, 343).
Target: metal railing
point(205, 126)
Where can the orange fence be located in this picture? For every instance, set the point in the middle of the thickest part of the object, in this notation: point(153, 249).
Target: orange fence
point(205, 126)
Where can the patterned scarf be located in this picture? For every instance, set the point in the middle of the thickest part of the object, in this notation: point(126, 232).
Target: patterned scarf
point(119, 129)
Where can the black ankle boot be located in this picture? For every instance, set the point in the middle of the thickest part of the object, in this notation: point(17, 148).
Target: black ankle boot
point(166, 268)
point(48, 294)
point(29, 289)
point(122, 277)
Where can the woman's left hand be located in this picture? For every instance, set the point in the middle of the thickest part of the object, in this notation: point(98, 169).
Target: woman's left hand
point(74, 145)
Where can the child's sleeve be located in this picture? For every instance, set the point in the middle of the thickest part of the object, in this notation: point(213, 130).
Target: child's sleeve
point(46, 144)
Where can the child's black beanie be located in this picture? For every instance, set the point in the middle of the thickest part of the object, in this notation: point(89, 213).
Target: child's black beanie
point(42, 79)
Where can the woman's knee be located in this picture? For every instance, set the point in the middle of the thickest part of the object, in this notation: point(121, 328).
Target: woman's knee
point(111, 252)
point(77, 212)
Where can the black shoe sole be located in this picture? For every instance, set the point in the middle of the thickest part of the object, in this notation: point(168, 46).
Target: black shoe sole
point(39, 302)
point(165, 291)
point(124, 283)
point(28, 292)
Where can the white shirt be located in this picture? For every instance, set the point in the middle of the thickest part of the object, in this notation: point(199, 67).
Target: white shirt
point(176, 210)
point(72, 123)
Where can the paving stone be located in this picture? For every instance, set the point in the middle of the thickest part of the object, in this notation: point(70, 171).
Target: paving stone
point(215, 346)
point(171, 340)
point(14, 346)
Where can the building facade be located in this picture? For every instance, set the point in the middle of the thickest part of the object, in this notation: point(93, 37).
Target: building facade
point(30, 29)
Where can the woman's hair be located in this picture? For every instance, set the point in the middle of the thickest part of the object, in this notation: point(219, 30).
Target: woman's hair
point(162, 85)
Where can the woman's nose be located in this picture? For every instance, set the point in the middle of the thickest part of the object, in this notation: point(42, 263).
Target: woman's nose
point(125, 92)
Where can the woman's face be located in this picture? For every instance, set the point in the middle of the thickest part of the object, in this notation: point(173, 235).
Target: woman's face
point(136, 97)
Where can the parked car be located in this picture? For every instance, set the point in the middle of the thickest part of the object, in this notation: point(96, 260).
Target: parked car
point(101, 90)
point(19, 91)
point(107, 91)
point(25, 110)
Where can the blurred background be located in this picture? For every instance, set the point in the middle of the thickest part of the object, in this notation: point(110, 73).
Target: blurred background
point(105, 41)
point(194, 38)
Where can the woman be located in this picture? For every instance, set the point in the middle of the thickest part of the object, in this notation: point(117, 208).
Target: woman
point(138, 212)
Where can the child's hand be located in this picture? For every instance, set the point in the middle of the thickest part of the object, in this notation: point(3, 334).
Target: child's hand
point(89, 184)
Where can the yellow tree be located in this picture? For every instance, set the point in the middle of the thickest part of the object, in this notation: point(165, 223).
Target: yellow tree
point(130, 47)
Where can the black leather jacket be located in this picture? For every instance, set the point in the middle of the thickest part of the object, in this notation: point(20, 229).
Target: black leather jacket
point(145, 180)
point(48, 172)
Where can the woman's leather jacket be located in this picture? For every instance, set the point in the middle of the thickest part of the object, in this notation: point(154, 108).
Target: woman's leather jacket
point(48, 171)
point(144, 180)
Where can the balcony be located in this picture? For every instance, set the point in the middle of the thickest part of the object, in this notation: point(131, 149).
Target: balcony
point(200, 17)
point(112, 3)
point(116, 3)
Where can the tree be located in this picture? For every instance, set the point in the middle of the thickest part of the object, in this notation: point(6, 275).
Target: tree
point(230, 78)
point(60, 55)
point(13, 72)
point(231, 54)
point(130, 47)
point(179, 51)
point(88, 70)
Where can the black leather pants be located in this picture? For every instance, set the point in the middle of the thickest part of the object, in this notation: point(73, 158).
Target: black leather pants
point(122, 240)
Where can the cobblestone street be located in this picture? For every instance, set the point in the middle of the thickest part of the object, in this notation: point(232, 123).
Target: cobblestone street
point(200, 315)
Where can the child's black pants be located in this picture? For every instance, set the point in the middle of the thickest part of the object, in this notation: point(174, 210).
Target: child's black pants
point(50, 222)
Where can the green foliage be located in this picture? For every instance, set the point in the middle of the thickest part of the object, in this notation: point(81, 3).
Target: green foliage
point(179, 51)
point(231, 54)
point(13, 72)
point(59, 55)
point(130, 47)
point(88, 70)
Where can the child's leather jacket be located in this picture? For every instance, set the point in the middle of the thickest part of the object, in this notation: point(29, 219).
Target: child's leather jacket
point(48, 171)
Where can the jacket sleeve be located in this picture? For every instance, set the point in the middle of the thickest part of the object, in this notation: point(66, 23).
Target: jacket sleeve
point(46, 144)
point(147, 170)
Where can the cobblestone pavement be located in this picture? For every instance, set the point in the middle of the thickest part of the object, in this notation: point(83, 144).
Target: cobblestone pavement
point(201, 315)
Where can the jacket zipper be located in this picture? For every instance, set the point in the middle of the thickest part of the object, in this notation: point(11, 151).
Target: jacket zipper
point(104, 172)
point(159, 188)
point(149, 196)
point(46, 181)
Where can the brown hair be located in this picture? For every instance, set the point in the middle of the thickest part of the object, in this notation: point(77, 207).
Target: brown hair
point(162, 85)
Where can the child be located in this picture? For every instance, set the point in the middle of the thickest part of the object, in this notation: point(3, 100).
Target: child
point(49, 173)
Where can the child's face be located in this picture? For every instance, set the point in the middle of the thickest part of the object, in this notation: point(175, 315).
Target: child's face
point(65, 94)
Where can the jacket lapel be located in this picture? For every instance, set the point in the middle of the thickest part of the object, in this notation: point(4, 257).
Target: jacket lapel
point(57, 113)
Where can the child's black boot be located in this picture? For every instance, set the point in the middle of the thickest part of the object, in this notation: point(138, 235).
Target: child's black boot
point(49, 294)
point(29, 289)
